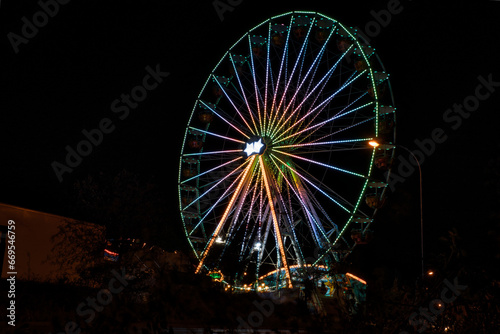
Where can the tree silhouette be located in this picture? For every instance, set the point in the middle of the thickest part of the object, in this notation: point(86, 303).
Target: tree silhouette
point(78, 251)
point(128, 205)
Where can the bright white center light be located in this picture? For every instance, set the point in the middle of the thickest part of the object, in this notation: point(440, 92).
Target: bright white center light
point(254, 148)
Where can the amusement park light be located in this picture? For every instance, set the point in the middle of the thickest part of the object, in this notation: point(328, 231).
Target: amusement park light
point(257, 245)
point(381, 144)
point(356, 278)
point(256, 147)
point(219, 240)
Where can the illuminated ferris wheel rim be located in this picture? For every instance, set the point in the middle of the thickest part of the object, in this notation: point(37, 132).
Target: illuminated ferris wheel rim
point(256, 145)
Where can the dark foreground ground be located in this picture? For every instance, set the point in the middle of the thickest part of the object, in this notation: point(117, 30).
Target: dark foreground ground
point(176, 302)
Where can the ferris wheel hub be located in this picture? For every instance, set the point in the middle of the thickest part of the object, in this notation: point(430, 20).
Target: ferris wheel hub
point(254, 146)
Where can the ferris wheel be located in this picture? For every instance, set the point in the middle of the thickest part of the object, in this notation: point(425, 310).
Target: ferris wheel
point(276, 175)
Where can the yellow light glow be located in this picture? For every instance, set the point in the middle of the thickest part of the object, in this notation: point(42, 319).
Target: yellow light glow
point(356, 278)
point(275, 223)
point(291, 267)
point(374, 143)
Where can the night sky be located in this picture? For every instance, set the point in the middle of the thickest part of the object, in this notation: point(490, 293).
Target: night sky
point(64, 79)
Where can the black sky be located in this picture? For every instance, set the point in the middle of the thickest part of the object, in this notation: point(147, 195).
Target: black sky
point(66, 77)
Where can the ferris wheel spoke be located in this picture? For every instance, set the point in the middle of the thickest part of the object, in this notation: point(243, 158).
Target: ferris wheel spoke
point(313, 185)
point(346, 84)
point(344, 129)
point(216, 184)
point(223, 88)
point(261, 203)
point(301, 81)
point(211, 153)
point(217, 135)
point(250, 112)
point(342, 113)
point(311, 215)
point(248, 105)
point(319, 57)
point(248, 218)
point(282, 71)
point(248, 246)
point(318, 88)
point(237, 211)
point(277, 231)
point(328, 219)
point(331, 191)
point(209, 106)
point(300, 60)
point(315, 204)
point(255, 86)
point(321, 85)
point(229, 207)
point(268, 64)
point(348, 128)
point(334, 142)
point(267, 219)
point(320, 124)
point(219, 199)
point(304, 196)
point(321, 164)
point(288, 220)
point(314, 66)
point(339, 115)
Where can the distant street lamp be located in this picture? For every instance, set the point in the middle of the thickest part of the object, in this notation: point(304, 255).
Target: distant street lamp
point(377, 143)
point(374, 143)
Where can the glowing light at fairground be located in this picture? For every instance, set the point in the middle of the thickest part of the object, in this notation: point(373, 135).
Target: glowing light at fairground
point(276, 169)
